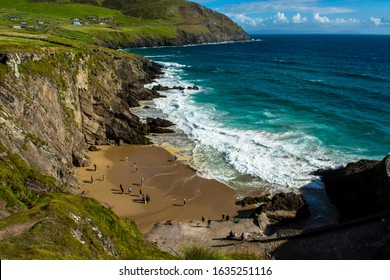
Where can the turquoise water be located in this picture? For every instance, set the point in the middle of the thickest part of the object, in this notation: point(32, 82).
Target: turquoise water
point(273, 110)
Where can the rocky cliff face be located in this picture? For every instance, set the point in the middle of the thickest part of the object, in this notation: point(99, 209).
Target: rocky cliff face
point(57, 102)
point(360, 188)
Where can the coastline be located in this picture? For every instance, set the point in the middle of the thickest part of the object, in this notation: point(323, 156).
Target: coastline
point(167, 182)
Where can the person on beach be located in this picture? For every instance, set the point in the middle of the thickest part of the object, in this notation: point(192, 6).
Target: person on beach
point(140, 192)
point(126, 158)
point(91, 179)
point(175, 158)
point(209, 223)
point(184, 202)
point(129, 190)
point(203, 218)
point(242, 237)
point(121, 187)
point(95, 167)
point(147, 198)
point(227, 218)
point(142, 181)
point(103, 177)
point(223, 216)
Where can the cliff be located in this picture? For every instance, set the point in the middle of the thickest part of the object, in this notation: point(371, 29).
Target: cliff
point(57, 102)
point(360, 188)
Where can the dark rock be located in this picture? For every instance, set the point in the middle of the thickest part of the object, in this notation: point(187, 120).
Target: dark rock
point(92, 148)
point(3, 58)
point(193, 88)
point(285, 208)
point(255, 200)
point(359, 189)
point(158, 122)
point(156, 129)
point(79, 159)
point(178, 88)
point(160, 88)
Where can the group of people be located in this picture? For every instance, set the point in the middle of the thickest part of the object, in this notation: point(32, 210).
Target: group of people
point(225, 217)
point(122, 190)
point(233, 235)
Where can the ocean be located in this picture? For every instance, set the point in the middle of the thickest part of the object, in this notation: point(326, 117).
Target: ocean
point(271, 111)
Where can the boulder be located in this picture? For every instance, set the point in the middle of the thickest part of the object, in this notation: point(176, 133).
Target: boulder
point(160, 88)
point(285, 208)
point(255, 200)
point(359, 189)
point(158, 122)
point(92, 148)
point(79, 159)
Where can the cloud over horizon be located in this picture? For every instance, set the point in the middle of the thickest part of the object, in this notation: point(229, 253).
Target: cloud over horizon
point(359, 16)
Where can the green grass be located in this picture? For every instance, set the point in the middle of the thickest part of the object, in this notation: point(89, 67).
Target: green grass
point(202, 253)
point(153, 19)
point(16, 177)
point(74, 228)
point(66, 227)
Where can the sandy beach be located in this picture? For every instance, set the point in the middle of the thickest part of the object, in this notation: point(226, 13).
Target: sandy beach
point(167, 182)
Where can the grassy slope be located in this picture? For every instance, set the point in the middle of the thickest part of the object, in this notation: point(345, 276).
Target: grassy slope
point(133, 21)
point(64, 226)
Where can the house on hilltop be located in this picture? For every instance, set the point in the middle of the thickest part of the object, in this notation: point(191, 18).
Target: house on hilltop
point(77, 23)
point(13, 18)
point(92, 18)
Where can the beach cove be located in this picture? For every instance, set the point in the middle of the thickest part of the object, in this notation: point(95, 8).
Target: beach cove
point(169, 182)
point(166, 181)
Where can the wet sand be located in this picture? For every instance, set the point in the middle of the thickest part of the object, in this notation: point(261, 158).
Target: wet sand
point(167, 182)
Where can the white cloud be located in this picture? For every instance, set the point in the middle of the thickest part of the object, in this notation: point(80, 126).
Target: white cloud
point(280, 18)
point(320, 19)
point(308, 6)
point(298, 19)
point(376, 21)
point(345, 21)
point(245, 20)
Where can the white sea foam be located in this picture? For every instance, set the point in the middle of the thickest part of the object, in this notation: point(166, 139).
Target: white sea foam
point(225, 153)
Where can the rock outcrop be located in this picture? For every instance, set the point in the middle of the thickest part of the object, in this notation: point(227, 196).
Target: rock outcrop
point(57, 102)
point(159, 125)
point(282, 209)
point(360, 188)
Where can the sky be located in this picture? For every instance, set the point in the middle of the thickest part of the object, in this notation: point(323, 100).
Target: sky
point(306, 16)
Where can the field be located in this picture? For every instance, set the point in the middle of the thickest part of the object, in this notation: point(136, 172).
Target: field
point(92, 24)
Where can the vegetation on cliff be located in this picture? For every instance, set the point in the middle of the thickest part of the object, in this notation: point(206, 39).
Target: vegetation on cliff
point(37, 223)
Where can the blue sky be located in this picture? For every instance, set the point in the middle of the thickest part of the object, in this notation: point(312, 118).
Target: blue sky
point(306, 16)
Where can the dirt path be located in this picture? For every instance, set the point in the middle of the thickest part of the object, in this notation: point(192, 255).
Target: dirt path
point(18, 229)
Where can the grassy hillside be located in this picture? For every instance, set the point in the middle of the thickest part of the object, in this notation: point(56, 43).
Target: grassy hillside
point(56, 225)
point(109, 22)
point(157, 19)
